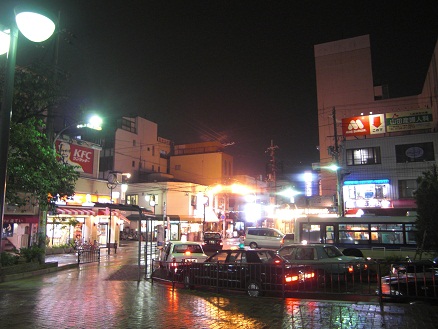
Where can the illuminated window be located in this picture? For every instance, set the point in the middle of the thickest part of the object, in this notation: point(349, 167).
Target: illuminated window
point(365, 156)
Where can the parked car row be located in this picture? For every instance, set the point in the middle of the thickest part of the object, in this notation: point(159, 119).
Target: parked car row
point(289, 267)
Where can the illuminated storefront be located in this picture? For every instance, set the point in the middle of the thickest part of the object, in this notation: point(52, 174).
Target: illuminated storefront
point(373, 193)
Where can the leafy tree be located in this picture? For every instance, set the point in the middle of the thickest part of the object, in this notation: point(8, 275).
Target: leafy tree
point(34, 174)
point(426, 197)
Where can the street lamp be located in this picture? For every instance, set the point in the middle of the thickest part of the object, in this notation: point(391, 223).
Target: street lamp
point(94, 122)
point(36, 28)
point(205, 202)
point(339, 192)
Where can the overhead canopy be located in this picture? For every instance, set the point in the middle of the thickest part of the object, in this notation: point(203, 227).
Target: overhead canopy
point(75, 211)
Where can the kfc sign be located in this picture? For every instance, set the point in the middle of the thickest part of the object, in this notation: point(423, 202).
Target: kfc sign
point(74, 155)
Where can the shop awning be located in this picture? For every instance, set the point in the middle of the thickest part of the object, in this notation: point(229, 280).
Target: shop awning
point(75, 212)
point(120, 216)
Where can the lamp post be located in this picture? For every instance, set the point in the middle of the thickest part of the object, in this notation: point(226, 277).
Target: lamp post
point(94, 122)
point(36, 28)
point(205, 202)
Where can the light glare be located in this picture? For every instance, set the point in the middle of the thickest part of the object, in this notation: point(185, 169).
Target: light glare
point(35, 27)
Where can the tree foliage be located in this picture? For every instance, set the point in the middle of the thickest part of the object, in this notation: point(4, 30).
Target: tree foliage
point(33, 171)
point(426, 197)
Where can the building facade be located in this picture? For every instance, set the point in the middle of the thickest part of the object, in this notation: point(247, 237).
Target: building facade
point(380, 145)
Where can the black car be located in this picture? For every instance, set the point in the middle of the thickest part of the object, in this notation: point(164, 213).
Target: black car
point(212, 241)
point(411, 279)
point(255, 271)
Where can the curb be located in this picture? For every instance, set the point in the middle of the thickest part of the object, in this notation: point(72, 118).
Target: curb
point(24, 275)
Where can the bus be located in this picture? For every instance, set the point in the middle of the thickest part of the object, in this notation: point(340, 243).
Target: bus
point(374, 236)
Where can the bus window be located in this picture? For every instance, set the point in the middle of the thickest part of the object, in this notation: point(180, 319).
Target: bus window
point(329, 234)
point(311, 233)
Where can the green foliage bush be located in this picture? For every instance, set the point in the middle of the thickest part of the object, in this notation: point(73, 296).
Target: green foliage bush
point(8, 259)
point(32, 254)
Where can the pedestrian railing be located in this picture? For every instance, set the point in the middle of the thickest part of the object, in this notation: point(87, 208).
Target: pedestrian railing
point(377, 280)
point(89, 255)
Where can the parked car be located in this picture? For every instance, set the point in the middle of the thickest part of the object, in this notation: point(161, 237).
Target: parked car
point(288, 238)
point(263, 237)
point(177, 252)
point(411, 279)
point(323, 257)
point(255, 271)
point(212, 241)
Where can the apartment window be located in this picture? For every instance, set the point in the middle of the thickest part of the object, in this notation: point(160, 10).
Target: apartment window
point(406, 188)
point(133, 164)
point(132, 199)
point(153, 168)
point(153, 150)
point(364, 156)
point(134, 142)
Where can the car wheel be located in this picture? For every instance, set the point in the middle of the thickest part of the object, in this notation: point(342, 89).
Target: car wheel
point(253, 245)
point(187, 282)
point(254, 289)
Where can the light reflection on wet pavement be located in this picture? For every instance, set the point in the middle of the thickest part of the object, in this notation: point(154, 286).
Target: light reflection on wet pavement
point(108, 296)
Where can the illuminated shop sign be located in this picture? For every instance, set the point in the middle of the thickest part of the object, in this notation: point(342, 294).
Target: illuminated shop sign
point(408, 120)
point(369, 181)
point(388, 122)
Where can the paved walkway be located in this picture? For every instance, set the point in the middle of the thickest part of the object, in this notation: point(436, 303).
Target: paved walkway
point(109, 295)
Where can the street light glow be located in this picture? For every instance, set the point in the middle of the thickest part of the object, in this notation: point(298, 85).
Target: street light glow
point(34, 26)
point(4, 41)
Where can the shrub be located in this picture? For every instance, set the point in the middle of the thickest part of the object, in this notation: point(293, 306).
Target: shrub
point(8, 259)
point(32, 254)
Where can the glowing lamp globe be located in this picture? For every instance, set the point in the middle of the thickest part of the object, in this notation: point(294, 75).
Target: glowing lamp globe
point(34, 26)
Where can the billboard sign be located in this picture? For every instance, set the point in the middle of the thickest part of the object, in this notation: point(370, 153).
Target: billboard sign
point(388, 122)
point(409, 120)
point(75, 155)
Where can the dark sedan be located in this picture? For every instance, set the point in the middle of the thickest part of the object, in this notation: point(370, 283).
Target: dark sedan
point(255, 271)
point(411, 279)
point(212, 241)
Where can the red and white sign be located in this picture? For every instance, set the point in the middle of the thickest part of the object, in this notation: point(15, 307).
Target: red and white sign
point(75, 155)
point(356, 126)
point(364, 125)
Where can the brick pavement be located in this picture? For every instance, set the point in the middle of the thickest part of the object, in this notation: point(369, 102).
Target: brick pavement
point(109, 295)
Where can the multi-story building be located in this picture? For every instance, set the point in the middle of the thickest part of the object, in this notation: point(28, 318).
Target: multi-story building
point(380, 144)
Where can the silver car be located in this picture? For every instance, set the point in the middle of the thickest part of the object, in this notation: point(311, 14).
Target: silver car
point(322, 257)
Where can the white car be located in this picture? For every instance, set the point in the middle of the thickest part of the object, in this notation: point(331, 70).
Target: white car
point(182, 251)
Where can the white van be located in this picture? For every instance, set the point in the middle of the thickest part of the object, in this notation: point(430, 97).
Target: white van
point(263, 237)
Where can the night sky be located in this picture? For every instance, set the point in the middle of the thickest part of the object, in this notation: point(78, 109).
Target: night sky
point(240, 72)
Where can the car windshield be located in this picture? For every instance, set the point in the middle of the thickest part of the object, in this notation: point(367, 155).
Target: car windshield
point(332, 252)
point(212, 236)
point(182, 248)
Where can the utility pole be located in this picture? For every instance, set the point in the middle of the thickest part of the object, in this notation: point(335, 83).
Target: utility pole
point(335, 154)
point(272, 174)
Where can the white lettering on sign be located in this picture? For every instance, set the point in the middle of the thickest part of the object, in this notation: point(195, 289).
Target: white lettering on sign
point(81, 156)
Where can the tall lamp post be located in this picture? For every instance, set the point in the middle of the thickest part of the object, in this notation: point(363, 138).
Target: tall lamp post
point(205, 202)
point(94, 122)
point(36, 28)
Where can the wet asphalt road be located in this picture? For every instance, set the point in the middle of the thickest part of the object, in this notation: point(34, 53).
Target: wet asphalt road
point(109, 295)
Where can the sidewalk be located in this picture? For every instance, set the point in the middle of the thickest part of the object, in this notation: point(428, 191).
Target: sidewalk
point(109, 294)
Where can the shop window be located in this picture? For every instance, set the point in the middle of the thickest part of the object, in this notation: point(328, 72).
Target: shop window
point(364, 156)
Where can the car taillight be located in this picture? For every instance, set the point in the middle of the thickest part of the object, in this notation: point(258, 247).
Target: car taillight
point(187, 253)
point(292, 278)
point(174, 263)
point(350, 269)
point(309, 275)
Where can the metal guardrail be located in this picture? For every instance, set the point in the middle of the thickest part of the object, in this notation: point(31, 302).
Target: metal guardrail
point(88, 255)
point(376, 281)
